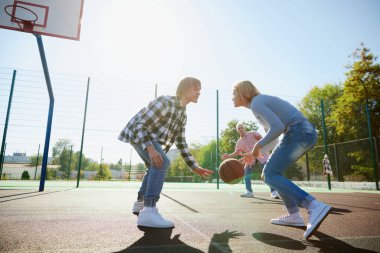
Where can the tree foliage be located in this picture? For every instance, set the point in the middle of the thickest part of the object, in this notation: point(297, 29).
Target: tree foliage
point(345, 114)
point(104, 172)
point(25, 175)
point(310, 106)
point(178, 167)
point(33, 160)
point(361, 86)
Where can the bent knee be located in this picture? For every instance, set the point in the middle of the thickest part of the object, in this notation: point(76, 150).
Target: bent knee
point(166, 162)
point(268, 176)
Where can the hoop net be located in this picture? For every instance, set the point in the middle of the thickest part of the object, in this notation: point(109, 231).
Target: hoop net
point(27, 22)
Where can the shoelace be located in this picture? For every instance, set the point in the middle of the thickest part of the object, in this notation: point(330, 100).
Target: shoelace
point(284, 217)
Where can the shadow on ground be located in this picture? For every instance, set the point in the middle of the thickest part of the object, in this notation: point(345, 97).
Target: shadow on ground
point(326, 243)
point(160, 241)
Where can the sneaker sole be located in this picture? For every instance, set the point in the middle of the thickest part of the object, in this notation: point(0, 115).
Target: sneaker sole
point(145, 228)
point(136, 213)
point(289, 225)
point(142, 227)
point(325, 212)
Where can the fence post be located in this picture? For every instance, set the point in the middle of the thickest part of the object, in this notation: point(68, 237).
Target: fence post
point(2, 152)
point(2, 159)
point(83, 128)
point(217, 140)
point(45, 156)
point(337, 162)
point(307, 167)
point(377, 154)
point(69, 169)
point(325, 138)
point(38, 156)
point(372, 146)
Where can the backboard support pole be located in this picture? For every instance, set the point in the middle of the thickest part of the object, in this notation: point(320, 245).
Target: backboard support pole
point(50, 115)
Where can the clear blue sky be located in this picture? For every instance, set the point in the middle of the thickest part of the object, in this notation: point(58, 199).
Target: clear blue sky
point(284, 47)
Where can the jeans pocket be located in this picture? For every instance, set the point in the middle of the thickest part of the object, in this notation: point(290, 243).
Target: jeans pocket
point(308, 135)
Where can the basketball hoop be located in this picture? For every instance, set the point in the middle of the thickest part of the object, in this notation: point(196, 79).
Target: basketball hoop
point(26, 25)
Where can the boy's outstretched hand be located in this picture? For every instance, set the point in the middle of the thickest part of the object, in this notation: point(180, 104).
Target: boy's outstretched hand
point(204, 173)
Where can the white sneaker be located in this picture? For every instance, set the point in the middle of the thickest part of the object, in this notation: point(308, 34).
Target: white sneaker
point(274, 195)
point(247, 195)
point(289, 220)
point(149, 217)
point(317, 213)
point(137, 207)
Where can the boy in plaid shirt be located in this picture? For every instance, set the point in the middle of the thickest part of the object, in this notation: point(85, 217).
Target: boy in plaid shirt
point(151, 132)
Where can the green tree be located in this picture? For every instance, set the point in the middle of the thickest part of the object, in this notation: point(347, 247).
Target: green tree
point(118, 166)
point(61, 156)
point(362, 85)
point(178, 167)
point(104, 172)
point(92, 166)
point(207, 155)
point(58, 148)
point(85, 161)
point(25, 175)
point(33, 160)
point(310, 106)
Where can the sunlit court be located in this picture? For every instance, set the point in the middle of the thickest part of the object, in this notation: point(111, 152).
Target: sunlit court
point(189, 126)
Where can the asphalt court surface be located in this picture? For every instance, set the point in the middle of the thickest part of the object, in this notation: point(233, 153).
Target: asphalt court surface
point(99, 219)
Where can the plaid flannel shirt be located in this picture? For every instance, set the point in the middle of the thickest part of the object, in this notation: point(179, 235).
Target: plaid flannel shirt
point(164, 120)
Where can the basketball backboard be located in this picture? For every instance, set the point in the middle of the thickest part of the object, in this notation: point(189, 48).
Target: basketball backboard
point(57, 18)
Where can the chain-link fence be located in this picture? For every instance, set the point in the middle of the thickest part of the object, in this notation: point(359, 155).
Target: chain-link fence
point(350, 161)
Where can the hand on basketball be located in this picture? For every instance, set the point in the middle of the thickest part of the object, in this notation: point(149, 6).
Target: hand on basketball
point(204, 173)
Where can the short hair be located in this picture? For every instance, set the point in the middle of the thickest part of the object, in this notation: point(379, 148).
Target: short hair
point(239, 124)
point(185, 84)
point(246, 90)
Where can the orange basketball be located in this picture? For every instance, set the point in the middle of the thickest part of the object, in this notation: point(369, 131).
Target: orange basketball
point(231, 171)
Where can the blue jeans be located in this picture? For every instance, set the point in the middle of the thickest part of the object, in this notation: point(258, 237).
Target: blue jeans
point(154, 177)
point(248, 171)
point(297, 139)
point(247, 178)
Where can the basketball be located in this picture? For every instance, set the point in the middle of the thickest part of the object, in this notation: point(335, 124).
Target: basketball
point(231, 171)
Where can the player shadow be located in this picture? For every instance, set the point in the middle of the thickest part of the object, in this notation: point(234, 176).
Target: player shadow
point(159, 240)
point(339, 211)
point(279, 241)
point(325, 244)
point(330, 244)
point(220, 242)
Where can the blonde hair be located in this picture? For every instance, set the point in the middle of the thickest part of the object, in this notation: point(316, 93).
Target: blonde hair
point(239, 124)
point(246, 90)
point(185, 84)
